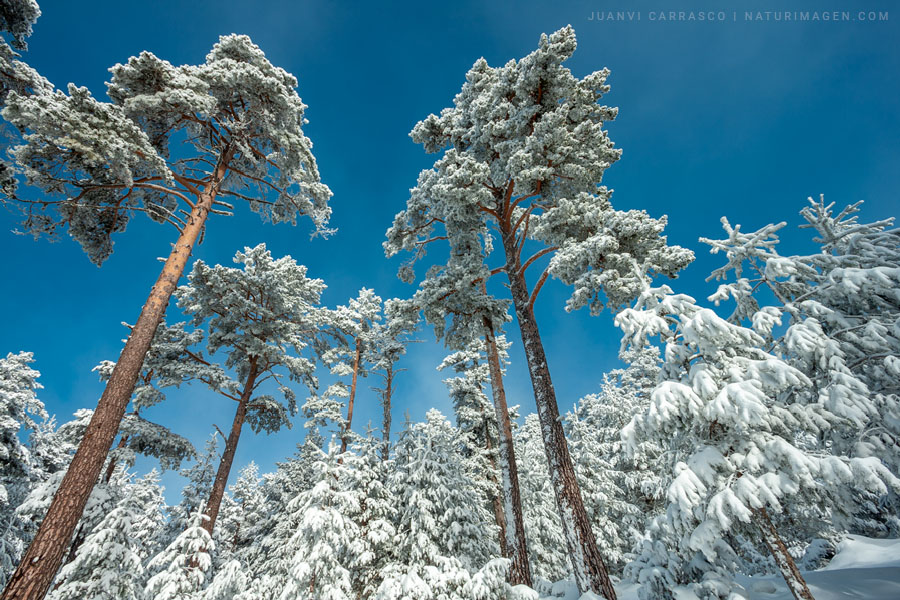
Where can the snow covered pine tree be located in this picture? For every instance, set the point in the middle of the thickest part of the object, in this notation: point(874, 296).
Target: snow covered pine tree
point(524, 154)
point(266, 321)
point(109, 160)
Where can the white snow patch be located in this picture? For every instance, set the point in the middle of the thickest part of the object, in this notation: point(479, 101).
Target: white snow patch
point(863, 569)
point(858, 552)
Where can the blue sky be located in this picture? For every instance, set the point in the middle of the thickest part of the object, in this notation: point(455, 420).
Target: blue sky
point(744, 118)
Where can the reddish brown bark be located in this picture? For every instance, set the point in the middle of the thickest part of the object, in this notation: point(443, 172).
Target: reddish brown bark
point(44, 556)
point(792, 576)
point(513, 529)
point(496, 501)
point(111, 467)
point(590, 570)
point(218, 489)
point(356, 362)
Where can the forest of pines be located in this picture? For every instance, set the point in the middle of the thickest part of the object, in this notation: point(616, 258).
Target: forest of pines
point(748, 434)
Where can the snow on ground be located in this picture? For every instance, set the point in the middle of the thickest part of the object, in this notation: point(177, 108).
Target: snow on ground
point(862, 569)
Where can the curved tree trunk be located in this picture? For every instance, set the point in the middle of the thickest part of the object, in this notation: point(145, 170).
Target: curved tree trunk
point(783, 559)
point(44, 556)
point(352, 398)
point(590, 571)
point(515, 547)
point(218, 489)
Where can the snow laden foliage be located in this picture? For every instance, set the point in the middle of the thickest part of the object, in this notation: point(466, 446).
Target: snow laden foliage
point(264, 319)
point(523, 153)
point(230, 583)
point(316, 545)
point(16, 20)
point(100, 162)
point(621, 490)
point(833, 315)
point(440, 548)
point(184, 564)
point(20, 469)
point(476, 421)
point(728, 414)
point(546, 541)
point(108, 564)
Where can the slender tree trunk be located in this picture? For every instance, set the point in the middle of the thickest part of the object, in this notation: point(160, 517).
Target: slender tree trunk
point(218, 489)
point(386, 405)
point(352, 398)
point(496, 501)
point(44, 556)
point(111, 467)
point(516, 548)
point(590, 571)
point(783, 559)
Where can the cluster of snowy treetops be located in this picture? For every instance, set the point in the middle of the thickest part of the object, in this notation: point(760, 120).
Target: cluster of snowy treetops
point(745, 441)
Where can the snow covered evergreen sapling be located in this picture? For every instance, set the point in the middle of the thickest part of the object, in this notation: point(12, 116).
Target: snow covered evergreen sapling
point(621, 491)
point(838, 308)
point(546, 540)
point(108, 565)
point(728, 413)
point(20, 409)
point(184, 564)
point(440, 549)
point(477, 423)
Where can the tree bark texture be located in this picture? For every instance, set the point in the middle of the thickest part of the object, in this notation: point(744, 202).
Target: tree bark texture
point(792, 576)
point(496, 500)
point(515, 547)
point(218, 489)
point(590, 571)
point(356, 362)
point(44, 556)
point(386, 405)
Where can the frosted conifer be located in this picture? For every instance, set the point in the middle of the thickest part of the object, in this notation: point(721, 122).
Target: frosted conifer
point(98, 163)
point(524, 152)
point(184, 564)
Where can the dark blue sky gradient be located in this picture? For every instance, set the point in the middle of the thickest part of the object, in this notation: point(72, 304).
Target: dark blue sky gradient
point(739, 118)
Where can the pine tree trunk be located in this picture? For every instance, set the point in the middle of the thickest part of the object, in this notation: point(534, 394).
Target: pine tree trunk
point(792, 576)
point(386, 405)
point(590, 571)
point(111, 468)
point(44, 556)
point(218, 489)
point(496, 501)
point(516, 548)
point(352, 398)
